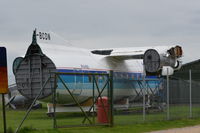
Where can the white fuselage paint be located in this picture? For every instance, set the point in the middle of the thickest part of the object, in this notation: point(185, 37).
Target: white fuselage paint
point(82, 59)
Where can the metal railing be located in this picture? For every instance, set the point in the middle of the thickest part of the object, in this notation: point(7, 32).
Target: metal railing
point(108, 84)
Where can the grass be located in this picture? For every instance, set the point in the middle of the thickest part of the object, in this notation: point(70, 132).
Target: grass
point(38, 122)
point(136, 128)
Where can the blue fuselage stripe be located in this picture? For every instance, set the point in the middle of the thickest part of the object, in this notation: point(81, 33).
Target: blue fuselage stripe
point(122, 80)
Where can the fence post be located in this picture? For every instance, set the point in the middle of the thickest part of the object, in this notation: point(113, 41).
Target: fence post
point(54, 101)
point(190, 78)
point(167, 94)
point(93, 99)
point(111, 98)
point(4, 113)
point(144, 87)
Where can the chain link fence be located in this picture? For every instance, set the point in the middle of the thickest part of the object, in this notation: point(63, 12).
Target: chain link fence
point(147, 101)
point(156, 103)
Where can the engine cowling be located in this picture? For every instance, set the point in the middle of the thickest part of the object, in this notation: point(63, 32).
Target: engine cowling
point(178, 65)
point(154, 61)
point(151, 61)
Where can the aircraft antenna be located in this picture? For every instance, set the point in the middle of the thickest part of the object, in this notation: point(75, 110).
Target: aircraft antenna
point(34, 47)
point(34, 38)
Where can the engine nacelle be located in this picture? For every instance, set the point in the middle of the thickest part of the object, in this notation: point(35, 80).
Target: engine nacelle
point(178, 65)
point(154, 61)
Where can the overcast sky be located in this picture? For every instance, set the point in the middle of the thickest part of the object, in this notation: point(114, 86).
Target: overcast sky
point(102, 23)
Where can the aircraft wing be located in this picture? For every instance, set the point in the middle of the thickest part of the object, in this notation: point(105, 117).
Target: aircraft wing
point(154, 58)
point(138, 52)
point(125, 55)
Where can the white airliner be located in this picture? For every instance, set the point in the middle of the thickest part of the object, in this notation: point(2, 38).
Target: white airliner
point(32, 70)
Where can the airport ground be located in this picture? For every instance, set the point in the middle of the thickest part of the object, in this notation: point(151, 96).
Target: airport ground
point(191, 129)
point(38, 122)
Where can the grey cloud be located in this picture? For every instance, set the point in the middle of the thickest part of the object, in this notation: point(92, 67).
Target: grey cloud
point(104, 23)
